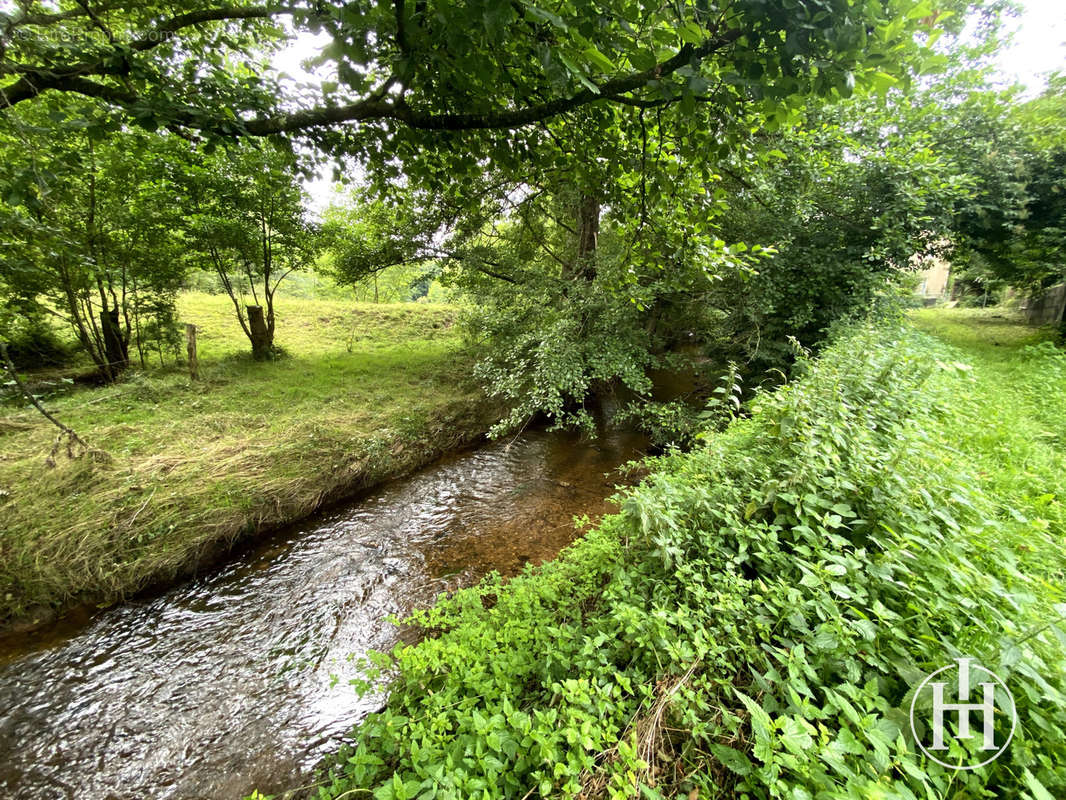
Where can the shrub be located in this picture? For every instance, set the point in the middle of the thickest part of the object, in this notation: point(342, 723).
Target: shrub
point(31, 341)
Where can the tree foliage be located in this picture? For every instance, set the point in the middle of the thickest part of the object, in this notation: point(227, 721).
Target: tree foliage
point(1010, 231)
point(92, 229)
point(606, 181)
point(451, 65)
point(628, 232)
point(849, 198)
point(246, 221)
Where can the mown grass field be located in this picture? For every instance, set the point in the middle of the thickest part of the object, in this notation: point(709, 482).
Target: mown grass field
point(362, 392)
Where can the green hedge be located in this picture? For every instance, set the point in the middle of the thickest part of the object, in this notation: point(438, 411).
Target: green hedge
point(755, 620)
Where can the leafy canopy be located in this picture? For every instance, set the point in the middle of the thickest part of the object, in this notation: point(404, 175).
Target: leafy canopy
point(451, 65)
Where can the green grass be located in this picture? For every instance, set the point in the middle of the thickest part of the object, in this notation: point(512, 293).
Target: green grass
point(1012, 422)
point(363, 392)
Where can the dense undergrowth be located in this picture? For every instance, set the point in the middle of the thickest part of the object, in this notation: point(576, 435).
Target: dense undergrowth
point(363, 392)
point(755, 621)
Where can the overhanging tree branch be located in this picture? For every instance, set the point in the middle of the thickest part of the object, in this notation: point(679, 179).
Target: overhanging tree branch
point(65, 430)
point(181, 21)
point(399, 111)
point(28, 87)
point(153, 37)
point(373, 108)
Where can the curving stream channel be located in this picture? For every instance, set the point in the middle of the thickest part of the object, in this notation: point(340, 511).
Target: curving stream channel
point(226, 682)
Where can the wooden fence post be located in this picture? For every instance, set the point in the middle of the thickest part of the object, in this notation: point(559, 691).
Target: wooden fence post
point(190, 347)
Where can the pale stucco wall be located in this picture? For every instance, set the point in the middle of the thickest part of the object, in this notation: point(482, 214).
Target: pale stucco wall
point(934, 278)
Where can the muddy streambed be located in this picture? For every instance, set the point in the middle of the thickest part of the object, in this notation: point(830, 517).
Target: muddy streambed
point(226, 682)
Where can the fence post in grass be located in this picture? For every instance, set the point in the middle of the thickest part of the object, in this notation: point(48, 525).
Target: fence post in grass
point(190, 347)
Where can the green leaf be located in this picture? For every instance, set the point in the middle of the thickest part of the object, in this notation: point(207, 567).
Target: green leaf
point(578, 73)
point(882, 82)
point(794, 735)
point(547, 16)
point(734, 760)
point(599, 59)
point(691, 33)
point(1038, 789)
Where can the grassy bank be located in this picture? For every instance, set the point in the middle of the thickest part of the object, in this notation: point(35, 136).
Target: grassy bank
point(363, 392)
point(757, 619)
point(1011, 420)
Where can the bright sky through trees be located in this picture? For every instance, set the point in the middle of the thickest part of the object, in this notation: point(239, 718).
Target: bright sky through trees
point(1039, 45)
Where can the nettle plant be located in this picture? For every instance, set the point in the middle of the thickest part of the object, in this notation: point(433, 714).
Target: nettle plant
point(753, 623)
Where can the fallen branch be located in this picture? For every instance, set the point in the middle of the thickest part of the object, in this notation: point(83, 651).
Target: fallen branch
point(66, 432)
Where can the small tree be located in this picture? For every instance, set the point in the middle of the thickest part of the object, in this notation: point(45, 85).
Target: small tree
point(92, 230)
point(248, 224)
point(383, 248)
point(847, 198)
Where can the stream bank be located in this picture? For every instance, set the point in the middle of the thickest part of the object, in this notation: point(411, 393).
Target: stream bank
point(360, 393)
point(238, 678)
point(382, 458)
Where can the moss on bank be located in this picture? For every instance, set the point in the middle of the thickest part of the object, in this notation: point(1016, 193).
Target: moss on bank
point(363, 393)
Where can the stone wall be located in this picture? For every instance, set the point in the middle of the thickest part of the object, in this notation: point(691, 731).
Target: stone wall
point(1046, 308)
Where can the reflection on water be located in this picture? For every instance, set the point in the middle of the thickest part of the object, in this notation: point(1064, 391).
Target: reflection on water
point(224, 683)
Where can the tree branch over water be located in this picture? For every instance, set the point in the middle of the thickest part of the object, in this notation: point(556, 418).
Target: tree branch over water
point(88, 78)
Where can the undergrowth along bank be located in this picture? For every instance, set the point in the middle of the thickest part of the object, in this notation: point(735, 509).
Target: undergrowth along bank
point(756, 620)
point(364, 392)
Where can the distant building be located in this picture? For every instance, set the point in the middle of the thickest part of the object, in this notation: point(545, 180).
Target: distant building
point(935, 279)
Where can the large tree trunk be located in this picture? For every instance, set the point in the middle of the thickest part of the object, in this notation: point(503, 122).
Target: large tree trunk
point(261, 335)
point(116, 349)
point(588, 227)
point(588, 232)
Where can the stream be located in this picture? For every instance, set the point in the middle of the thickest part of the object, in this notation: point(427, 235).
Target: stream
point(239, 678)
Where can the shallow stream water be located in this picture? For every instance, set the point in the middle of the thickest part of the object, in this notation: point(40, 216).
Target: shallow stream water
point(227, 682)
